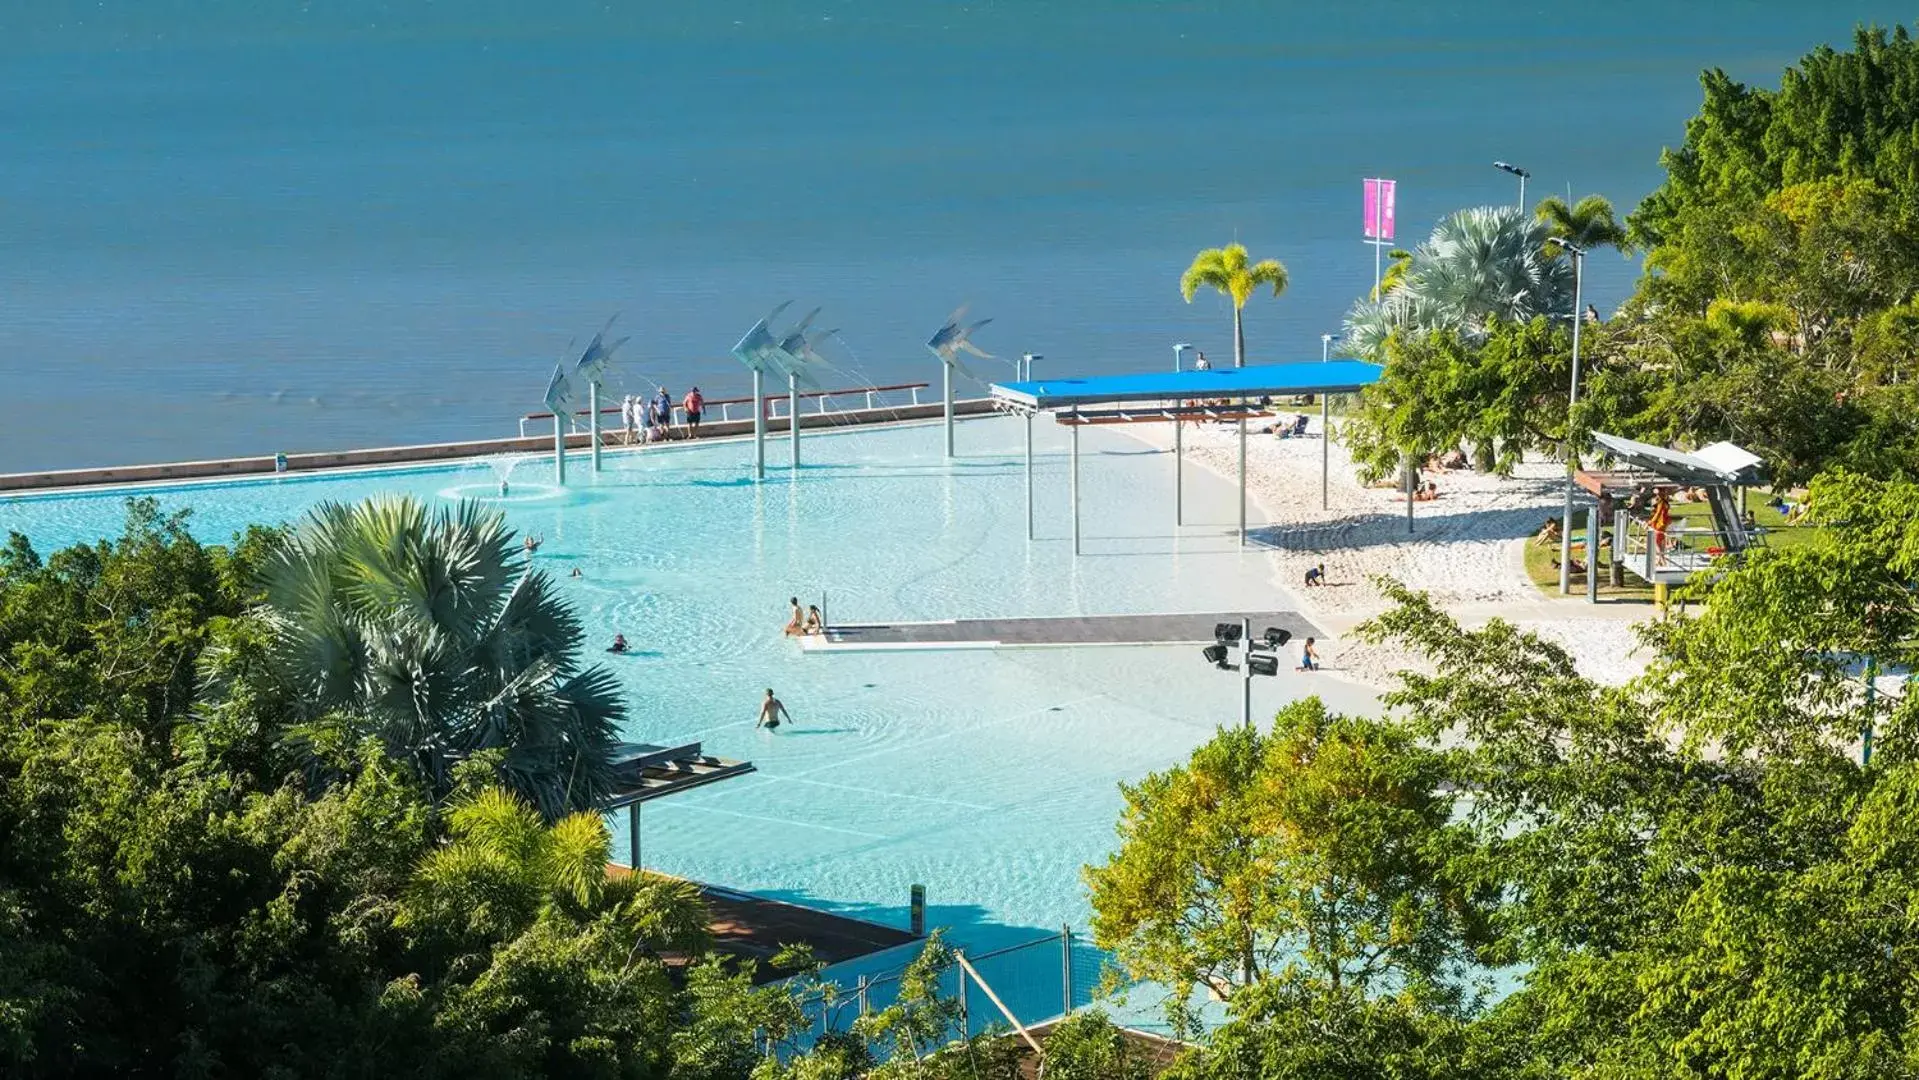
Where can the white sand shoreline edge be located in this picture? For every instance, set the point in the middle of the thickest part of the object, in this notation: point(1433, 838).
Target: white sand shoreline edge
point(1466, 550)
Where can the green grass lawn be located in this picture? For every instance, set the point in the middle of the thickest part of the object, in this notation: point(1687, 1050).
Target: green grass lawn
point(1541, 562)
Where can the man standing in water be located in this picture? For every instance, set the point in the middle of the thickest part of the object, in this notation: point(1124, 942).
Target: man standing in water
point(772, 712)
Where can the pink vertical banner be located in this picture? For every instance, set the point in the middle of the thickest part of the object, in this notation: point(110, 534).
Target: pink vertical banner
point(1380, 196)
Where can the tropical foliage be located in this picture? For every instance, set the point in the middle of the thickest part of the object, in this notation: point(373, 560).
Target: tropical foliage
point(1480, 267)
point(1778, 305)
point(1588, 224)
point(428, 631)
point(184, 892)
point(1702, 873)
point(1503, 399)
point(1230, 271)
point(1316, 855)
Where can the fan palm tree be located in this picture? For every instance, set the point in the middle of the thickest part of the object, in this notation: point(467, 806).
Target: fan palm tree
point(1228, 270)
point(428, 632)
point(1588, 224)
point(1479, 266)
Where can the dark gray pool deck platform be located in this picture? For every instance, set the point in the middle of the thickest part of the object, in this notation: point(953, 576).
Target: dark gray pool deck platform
point(749, 927)
point(1187, 628)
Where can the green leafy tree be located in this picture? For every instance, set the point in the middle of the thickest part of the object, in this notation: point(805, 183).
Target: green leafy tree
point(1319, 855)
point(1504, 397)
point(1847, 115)
point(1089, 1046)
point(1230, 271)
point(428, 631)
point(1685, 879)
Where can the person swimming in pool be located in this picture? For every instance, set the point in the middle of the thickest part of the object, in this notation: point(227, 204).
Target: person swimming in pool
point(619, 643)
point(772, 712)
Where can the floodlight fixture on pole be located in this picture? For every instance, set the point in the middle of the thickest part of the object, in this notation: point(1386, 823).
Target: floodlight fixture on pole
point(1523, 177)
point(947, 343)
point(1257, 656)
point(1572, 399)
point(559, 398)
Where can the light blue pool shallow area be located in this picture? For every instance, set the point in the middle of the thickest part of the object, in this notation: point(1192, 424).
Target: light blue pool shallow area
point(988, 776)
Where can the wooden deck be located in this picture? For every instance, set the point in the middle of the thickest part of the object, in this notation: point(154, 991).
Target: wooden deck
point(754, 928)
point(1192, 628)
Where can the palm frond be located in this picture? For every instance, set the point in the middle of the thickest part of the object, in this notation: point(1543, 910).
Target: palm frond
point(1208, 270)
point(1480, 265)
point(427, 628)
point(573, 858)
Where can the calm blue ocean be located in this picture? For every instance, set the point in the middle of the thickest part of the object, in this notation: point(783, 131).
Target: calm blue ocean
point(240, 226)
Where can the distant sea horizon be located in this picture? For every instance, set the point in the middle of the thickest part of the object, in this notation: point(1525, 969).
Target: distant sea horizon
point(240, 229)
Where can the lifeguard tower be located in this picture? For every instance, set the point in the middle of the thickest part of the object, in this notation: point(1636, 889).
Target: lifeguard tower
point(1672, 551)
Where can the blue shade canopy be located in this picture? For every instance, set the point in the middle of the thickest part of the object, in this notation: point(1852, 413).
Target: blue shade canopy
point(1332, 377)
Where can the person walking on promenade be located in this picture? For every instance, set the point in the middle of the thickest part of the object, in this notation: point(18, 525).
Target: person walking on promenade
point(695, 404)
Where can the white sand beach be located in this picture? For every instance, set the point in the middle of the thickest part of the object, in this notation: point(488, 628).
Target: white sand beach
point(1465, 549)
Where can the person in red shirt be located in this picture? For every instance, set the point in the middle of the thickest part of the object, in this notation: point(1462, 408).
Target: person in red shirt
point(694, 404)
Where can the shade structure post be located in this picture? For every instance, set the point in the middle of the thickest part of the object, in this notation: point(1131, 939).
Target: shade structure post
point(759, 424)
point(1325, 450)
point(559, 447)
point(1412, 484)
point(633, 836)
point(593, 422)
point(1029, 476)
point(1075, 481)
point(1592, 556)
point(793, 415)
point(1242, 481)
point(1179, 468)
point(1572, 400)
point(946, 393)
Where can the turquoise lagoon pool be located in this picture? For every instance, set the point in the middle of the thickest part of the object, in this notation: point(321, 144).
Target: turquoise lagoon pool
point(989, 777)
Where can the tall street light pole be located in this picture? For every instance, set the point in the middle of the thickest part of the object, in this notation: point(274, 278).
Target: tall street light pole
point(1325, 424)
point(1523, 176)
point(1572, 398)
point(1179, 350)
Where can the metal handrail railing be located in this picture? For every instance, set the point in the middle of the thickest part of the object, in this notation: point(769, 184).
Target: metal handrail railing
point(774, 405)
point(1678, 547)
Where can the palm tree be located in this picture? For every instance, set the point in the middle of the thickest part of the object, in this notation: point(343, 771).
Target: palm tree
point(428, 632)
point(1589, 224)
point(1479, 266)
point(1226, 269)
point(504, 868)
